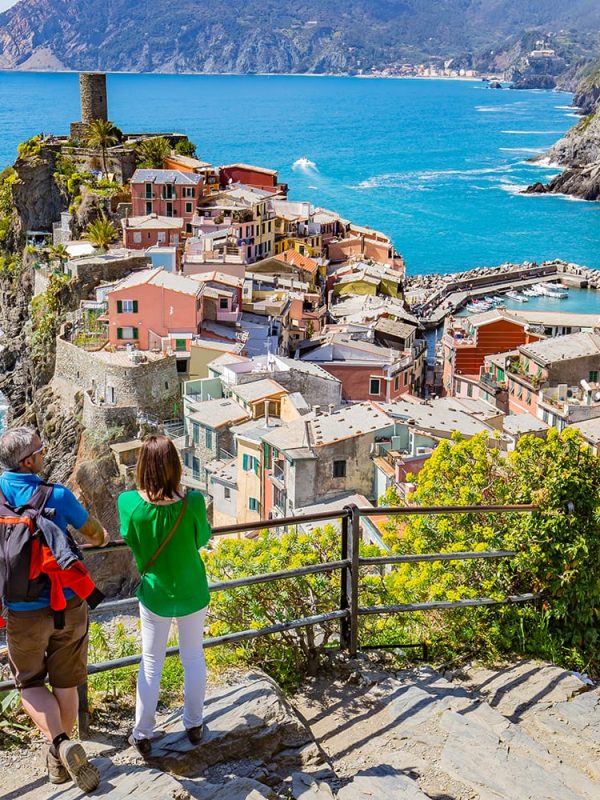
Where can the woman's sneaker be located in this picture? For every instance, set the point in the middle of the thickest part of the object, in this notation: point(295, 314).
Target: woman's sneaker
point(143, 746)
point(73, 758)
point(195, 734)
point(56, 772)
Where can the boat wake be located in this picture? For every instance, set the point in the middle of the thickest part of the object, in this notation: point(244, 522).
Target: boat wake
point(532, 150)
point(533, 133)
point(423, 180)
point(304, 165)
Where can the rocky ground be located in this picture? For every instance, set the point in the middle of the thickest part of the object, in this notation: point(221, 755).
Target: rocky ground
point(526, 731)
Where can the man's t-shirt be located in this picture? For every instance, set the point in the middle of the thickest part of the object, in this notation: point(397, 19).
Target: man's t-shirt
point(18, 487)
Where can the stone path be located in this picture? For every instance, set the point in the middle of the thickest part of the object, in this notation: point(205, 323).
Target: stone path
point(528, 731)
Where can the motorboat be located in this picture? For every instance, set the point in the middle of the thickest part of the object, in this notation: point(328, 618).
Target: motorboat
point(552, 290)
point(520, 298)
point(479, 306)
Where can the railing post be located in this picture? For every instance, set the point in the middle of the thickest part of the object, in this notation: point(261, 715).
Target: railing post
point(354, 530)
point(345, 583)
point(83, 713)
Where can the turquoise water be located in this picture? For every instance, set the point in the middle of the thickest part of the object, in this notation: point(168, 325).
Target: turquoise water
point(435, 164)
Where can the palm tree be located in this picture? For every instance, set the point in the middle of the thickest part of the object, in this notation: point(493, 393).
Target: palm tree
point(101, 232)
point(101, 135)
point(151, 153)
point(57, 252)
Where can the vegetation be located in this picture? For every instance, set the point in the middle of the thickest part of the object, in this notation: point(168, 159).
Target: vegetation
point(101, 232)
point(7, 178)
point(186, 148)
point(31, 148)
point(151, 153)
point(101, 135)
point(47, 314)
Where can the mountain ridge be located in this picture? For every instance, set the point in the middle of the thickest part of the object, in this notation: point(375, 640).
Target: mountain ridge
point(309, 36)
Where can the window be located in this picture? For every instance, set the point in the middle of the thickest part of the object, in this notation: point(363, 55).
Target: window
point(137, 238)
point(127, 306)
point(161, 237)
point(249, 254)
point(127, 333)
point(189, 208)
point(528, 398)
point(149, 190)
point(250, 463)
point(405, 378)
point(520, 393)
point(169, 210)
point(208, 438)
point(593, 376)
point(223, 302)
point(397, 383)
point(188, 191)
point(374, 386)
point(195, 433)
point(188, 227)
point(179, 345)
point(227, 493)
point(339, 469)
point(469, 390)
point(253, 504)
point(458, 386)
point(148, 208)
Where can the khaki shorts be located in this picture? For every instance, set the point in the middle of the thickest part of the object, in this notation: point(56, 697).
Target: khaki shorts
point(37, 649)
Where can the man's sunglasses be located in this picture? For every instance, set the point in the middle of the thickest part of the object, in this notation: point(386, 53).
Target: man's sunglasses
point(33, 452)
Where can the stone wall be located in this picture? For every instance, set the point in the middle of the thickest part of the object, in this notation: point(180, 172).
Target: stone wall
point(119, 160)
point(315, 390)
point(40, 281)
point(151, 387)
point(98, 416)
point(98, 269)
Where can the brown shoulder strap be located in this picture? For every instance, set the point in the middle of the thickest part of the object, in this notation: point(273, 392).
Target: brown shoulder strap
point(167, 538)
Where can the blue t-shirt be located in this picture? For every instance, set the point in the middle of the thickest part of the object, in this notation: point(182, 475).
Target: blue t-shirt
point(18, 487)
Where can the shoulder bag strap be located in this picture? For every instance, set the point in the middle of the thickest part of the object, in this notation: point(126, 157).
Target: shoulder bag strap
point(167, 538)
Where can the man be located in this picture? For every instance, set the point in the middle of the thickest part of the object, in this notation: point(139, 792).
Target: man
point(36, 648)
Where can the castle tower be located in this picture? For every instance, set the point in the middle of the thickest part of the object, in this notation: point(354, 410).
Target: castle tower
point(92, 90)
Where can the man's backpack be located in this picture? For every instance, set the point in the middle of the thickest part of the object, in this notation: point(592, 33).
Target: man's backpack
point(19, 534)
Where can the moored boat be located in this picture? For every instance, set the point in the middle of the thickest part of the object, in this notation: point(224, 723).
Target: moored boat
point(520, 298)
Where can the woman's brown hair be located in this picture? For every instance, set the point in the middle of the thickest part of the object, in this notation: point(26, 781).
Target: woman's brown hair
point(158, 468)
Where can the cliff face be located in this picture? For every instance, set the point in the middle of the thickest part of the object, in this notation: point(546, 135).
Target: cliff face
point(267, 35)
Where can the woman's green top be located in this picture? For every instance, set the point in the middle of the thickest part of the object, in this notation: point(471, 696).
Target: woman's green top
point(175, 585)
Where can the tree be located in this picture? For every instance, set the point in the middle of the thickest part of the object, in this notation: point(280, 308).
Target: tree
point(57, 252)
point(101, 135)
point(151, 153)
point(101, 232)
point(558, 547)
point(186, 148)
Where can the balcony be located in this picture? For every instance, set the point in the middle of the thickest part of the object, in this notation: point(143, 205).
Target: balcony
point(277, 477)
point(490, 380)
point(226, 315)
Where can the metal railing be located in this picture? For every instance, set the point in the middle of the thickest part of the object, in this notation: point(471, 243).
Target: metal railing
point(349, 565)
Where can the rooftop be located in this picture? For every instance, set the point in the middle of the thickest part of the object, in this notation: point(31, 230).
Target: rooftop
point(348, 422)
point(563, 348)
point(258, 390)
point(294, 258)
point(166, 176)
point(435, 415)
point(218, 413)
point(590, 428)
point(265, 170)
point(151, 222)
point(161, 278)
point(520, 424)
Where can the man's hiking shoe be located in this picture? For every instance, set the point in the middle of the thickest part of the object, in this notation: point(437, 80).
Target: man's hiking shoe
point(56, 772)
point(143, 746)
point(195, 734)
point(72, 756)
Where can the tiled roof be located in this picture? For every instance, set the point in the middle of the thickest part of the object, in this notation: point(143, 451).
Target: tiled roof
point(563, 348)
point(152, 222)
point(296, 259)
point(166, 176)
point(258, 390)
point(162, 278)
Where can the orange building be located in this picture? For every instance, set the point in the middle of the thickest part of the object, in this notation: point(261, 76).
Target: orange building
point(467, 341)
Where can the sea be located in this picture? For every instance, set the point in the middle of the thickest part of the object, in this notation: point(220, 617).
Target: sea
point(438, 165)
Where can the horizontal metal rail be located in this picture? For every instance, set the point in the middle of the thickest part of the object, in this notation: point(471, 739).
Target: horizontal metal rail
point(422, 557)
point(393, 511)
point(467, 603)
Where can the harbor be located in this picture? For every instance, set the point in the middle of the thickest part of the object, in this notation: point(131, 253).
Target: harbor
point(433, 297)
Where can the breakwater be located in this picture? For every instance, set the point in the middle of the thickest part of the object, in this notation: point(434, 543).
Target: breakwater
point(432, 297)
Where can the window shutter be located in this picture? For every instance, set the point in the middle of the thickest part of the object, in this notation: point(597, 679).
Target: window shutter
point(135, 333)
point(135, 306)
point(119, 307)
point(119, 333)
point(245, 462)
point(256, 466)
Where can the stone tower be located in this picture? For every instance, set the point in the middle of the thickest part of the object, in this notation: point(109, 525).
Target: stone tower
point(92, 89)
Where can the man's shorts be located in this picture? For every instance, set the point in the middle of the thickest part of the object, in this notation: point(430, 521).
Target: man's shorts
point(37, 649)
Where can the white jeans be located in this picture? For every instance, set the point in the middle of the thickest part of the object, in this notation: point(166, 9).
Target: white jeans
point(155, 633)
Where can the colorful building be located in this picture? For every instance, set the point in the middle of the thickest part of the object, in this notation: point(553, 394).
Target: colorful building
point(166, 193)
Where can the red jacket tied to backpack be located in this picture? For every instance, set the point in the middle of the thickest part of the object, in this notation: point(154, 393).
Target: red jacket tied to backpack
point(27, 563)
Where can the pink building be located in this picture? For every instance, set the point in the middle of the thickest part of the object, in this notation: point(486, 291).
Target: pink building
point(167, 193)
point(155, 309)
point(139, 233)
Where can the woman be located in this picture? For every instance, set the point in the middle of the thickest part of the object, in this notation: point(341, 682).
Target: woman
point(164, 529)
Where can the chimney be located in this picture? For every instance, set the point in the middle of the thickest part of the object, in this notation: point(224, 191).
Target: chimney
point(331, 407)
point(307, 431)
point(267, 413)
point(316, 410)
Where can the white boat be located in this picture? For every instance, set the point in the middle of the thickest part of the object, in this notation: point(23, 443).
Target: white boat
point(552, 290)
point(479, 306)
point(520, 298)
point(532, 292)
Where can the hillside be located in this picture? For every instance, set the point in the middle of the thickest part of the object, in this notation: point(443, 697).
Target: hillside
point(268, 36)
